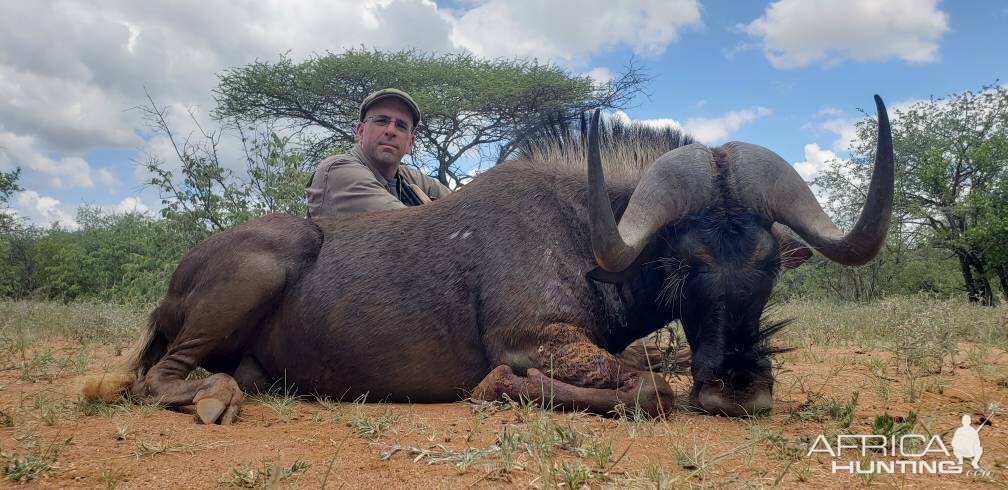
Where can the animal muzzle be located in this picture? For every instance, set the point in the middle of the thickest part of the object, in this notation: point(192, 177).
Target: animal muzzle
point(721, 399)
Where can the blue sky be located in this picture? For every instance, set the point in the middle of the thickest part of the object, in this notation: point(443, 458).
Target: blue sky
point(789, 74)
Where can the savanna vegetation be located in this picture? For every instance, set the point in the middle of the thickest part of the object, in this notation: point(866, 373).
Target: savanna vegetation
point(888, 348)
point(947, 239)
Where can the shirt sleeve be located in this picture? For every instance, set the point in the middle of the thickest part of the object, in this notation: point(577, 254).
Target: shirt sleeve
point(345, 186)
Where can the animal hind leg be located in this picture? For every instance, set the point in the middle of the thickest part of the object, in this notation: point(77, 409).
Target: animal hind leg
point(225, 310)
point(251, 376)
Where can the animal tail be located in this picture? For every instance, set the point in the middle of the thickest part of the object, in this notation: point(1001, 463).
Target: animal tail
point(144, 353)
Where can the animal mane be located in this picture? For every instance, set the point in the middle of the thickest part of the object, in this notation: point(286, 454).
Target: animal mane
point(628, 148)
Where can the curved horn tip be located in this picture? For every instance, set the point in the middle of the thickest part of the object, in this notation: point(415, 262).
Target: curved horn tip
point(593, 136)
point(880, 107)
point(884, 129)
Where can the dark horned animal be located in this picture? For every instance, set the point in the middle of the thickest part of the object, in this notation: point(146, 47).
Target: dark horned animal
point(527, 282)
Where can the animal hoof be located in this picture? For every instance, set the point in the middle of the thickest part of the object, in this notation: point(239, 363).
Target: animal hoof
point(494, 384)
point(230, 414)
point(209, 409)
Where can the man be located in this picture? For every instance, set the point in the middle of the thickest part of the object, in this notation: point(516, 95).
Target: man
point(369, 177)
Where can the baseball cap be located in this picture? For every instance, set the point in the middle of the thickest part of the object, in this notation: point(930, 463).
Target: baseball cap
point(391, 92)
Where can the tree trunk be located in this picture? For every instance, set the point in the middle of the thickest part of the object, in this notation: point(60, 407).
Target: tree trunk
point(982, 282)
point(1002, 273)
point(964, 266)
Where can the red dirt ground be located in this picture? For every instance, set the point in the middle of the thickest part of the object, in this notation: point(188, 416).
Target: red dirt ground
point(139, 448)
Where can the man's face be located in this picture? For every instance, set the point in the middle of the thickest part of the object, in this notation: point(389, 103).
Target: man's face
point(386, 143)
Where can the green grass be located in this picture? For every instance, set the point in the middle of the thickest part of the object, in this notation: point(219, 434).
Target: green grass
point(818, 408)
point(112, 476)
point(936, 321)
point(880, 381)
point(551, 449)
point(29, 466)
point(888, 426)
point(42, 462)
point(281, 403)
point(163, 446)
point(119, 406)
point(265, 476)
point(25, 322)
point(370, 426)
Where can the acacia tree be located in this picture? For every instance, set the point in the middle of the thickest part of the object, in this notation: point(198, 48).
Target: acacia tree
point(8, 233)
point(8, 186)
point(202, 195)
point(951, 168)
point(471, 106)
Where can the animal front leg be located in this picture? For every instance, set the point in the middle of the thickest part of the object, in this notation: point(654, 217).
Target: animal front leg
point(571, 371)
point(536, 386)
point(646, 355)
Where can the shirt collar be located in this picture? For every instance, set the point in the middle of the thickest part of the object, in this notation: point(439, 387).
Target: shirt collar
point(358, 152)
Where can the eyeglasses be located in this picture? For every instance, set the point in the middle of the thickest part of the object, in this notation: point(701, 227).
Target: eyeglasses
point(383, 121)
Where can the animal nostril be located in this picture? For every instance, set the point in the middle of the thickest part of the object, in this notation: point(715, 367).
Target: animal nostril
point(762, 403)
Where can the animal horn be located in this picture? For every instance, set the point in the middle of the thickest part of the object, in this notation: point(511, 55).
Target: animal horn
point(677, 184)
point(773, 187)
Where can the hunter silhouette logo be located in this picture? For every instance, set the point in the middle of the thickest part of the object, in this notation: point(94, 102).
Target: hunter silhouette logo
point(907, 453)
point(966, 441)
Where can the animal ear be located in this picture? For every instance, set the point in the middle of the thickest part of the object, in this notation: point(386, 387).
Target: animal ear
point(793, 252)
point(601, 275)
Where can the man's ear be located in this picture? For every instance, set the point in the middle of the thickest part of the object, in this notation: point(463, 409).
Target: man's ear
point(409, 147)
point(359, 130)
point(793, 252)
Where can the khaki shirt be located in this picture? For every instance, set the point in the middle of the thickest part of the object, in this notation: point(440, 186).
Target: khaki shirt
point(350, 183)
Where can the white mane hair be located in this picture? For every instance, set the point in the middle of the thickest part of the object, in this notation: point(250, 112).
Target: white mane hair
point(627, 148)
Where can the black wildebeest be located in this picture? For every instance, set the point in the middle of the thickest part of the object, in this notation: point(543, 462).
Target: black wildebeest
point(524, 283)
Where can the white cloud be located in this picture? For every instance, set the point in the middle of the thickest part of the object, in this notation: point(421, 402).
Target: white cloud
point(42, 210)
point(130, 205)
point(657, 123)
point(71, 70)
point(710, 130)
point(60, 172)
point(703, 130)
point(600, 74)
point(568, 31)
point(829, 111)
point(844, 127)
point(70, 115)
point(797, 33)
point(106, 178)
point(845, 130)
point(816, 160)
